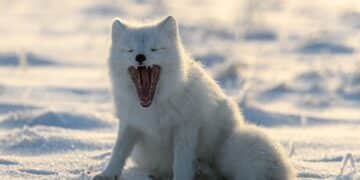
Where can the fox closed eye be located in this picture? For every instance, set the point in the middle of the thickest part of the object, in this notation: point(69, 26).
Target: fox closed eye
point(156, 49)
point(127, 50)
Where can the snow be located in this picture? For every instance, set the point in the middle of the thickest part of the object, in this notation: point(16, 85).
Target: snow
point(293, 66)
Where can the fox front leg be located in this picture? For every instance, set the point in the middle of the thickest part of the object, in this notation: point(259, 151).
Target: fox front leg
point(185, 143)
point(124, 144)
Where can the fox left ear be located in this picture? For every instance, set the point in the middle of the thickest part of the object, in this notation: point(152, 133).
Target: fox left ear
point(170, 26)
point(117, 28)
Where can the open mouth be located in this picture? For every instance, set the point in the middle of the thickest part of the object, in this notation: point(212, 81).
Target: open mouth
point(145, 79)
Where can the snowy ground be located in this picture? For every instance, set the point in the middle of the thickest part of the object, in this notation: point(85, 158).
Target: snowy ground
point(293, 66)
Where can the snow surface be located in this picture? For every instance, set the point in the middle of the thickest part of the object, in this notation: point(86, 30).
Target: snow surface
point(293, 66)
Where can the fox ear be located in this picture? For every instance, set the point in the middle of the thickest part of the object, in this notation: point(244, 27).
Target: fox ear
point(118, 27)
point(170, 26)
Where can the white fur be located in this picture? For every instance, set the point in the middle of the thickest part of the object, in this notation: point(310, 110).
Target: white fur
point(258, 157)
point(190, 116)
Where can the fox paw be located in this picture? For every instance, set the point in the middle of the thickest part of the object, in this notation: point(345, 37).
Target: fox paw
point(104, 177)
point(158, 177)
point(204, 171)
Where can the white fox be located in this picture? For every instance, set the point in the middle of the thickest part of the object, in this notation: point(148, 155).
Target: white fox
point(172, 113)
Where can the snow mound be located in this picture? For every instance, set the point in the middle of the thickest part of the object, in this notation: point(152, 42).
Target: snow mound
point(261, 117)
point(337, 158)
point(311, 82)
point(229, 76)
point(38, 172)
point(325, 47)
point(7, 108)
point(350, 87)
point(101, 9)
point(7, 162)
point(275, 92)
point(68, 120)
point(30, 141)
point(349, 93)
point(310, 175)
point(210, 59)
point(310, 76)
point(13, 59)
point(260, 35)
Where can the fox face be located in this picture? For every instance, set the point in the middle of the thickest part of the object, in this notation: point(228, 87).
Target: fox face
point(147, 58)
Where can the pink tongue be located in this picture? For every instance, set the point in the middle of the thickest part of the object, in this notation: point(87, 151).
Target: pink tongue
point(144, 86)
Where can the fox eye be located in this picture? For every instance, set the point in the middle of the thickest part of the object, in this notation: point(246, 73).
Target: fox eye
point(156, 49)
point(127, 50)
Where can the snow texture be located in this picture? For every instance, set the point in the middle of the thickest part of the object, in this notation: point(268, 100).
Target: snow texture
point(293, 66)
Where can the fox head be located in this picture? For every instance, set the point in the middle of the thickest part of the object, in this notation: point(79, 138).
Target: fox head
point(147, 59)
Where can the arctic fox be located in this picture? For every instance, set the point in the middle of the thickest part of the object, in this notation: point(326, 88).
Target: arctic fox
point(173, 114)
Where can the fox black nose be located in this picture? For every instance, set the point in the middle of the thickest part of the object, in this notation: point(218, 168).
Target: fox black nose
point(140, 58)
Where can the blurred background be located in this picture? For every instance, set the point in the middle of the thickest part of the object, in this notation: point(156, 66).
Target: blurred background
point(292, 66)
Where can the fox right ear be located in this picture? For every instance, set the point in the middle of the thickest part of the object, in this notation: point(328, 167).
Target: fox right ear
point(170, 26)
point(118, 27)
